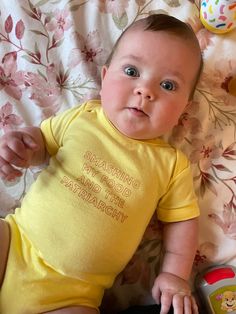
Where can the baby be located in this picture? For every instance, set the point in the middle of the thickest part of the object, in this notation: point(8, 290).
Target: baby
point(108, 172)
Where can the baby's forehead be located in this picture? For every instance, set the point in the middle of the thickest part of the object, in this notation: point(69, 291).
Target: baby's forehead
point(127, 43)
point(132, 37)
point(134, 32)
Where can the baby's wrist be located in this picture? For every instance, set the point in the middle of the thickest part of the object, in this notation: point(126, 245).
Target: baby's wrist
point(175, 283)
point(175, 278)
point(176, 273)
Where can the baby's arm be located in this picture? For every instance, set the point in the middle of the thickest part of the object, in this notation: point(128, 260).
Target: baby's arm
point(21, 148)
point(171, 286)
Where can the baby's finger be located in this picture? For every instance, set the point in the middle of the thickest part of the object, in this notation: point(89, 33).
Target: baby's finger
point(156, 294)
point(9, 173)
point(194, 306)
point(12, 176)
point(29, 142)
point(178, 304)
point(18, 150)
point(187, 304)
point(13, 159)
point(166, 300)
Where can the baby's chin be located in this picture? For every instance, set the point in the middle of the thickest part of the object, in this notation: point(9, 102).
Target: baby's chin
point(137, 134)
point(135, 131)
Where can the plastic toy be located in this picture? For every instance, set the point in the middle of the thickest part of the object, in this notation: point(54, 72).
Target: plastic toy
point(218, 16)
point(216, 290)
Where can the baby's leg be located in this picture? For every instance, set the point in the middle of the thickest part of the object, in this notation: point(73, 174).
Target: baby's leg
point(4, 247)
point(74, 310)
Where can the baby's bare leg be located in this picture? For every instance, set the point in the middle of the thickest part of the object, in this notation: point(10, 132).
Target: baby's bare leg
point(4, 247)
point(74, 310)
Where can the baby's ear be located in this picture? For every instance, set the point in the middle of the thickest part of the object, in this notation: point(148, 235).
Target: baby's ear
point(103, 71)
point(103, 74)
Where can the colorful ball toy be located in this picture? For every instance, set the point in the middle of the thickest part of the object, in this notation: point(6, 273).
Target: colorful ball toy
point(218, 16)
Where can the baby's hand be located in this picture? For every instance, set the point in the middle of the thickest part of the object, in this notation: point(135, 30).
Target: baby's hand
point(16, 149)
point(170, 289)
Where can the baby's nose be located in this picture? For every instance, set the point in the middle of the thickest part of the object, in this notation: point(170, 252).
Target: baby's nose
point(145, 92)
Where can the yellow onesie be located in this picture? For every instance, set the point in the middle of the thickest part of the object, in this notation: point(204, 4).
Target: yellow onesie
point(85, 215)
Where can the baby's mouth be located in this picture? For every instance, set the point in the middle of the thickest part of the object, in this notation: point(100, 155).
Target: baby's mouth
point(136, 111)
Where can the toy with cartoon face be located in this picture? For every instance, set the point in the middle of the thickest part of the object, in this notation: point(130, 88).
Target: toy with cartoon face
point(228, 301)
point(216, 289)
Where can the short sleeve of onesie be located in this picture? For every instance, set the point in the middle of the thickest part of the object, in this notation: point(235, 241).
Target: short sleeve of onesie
point(53, 129)
point(179, 201)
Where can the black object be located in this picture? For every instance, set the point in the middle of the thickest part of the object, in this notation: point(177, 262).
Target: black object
point(146, 309)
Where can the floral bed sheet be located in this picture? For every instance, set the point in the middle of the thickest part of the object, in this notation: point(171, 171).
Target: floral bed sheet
point(51, 53)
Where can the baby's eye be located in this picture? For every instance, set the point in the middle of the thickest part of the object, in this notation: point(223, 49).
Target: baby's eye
point(168, 85)
point(131, 71)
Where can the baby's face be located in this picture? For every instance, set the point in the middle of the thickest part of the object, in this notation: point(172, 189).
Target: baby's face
point(147, 85)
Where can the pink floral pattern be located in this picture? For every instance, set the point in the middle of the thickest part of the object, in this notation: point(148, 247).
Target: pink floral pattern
point(220, 77)
point(89, 53)
point(114, 7)
point(11, 80)
point(51, 54)
point(44, 91)
point(188, 123)
point(226, 221)
point(59, 23)
point(9, 120)
point(204, 152)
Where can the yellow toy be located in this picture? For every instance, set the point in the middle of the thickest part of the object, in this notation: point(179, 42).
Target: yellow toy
point(218, 16)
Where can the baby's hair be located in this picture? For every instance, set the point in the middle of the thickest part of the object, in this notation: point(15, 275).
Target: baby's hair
point(169, 24)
